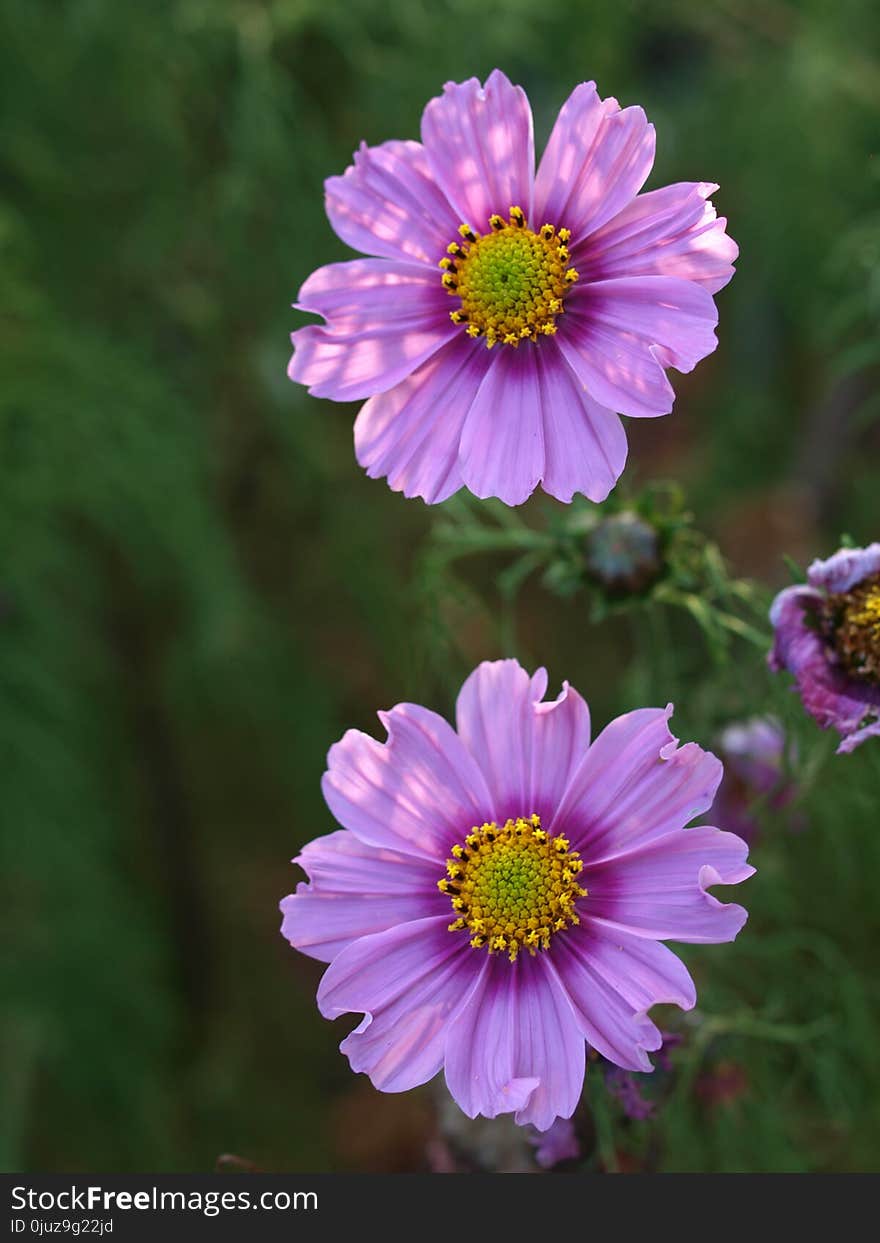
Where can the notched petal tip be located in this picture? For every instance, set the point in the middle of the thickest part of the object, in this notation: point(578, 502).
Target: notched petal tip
point(513, 1097)
point(693, 753)
point(730, 917)
point(543, 707)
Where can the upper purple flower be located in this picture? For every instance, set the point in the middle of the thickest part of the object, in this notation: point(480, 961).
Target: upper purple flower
point(499, 892)
point(828, 636)
point(587, 292)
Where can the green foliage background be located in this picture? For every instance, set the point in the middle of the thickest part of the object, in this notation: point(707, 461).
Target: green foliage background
point(199, 590)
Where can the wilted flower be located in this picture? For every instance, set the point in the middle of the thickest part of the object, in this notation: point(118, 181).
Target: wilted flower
point(499, 892)
point(583, 292)
point(754, 768)
point(828, 636)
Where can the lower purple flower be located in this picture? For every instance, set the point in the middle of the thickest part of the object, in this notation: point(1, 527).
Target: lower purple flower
point(828, 636)
point(497, 898)
point(624, 1088)
point(559, 1143)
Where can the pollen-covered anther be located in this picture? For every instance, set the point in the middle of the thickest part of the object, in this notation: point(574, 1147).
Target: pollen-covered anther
point(514, 886)
point(852, 619)
point(511, 281)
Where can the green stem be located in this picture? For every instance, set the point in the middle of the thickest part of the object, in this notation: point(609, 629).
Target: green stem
point(602, 1121)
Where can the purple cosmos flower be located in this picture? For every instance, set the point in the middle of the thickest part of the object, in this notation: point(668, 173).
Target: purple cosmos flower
point(754, 768)
point(583, 293)
point(828, 636)
point(624, 1087)
point(559, 1143)
point(499, 892)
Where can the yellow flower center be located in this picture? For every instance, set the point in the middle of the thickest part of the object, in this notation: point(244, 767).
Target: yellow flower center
point(510, 281)
point(856, 629)
point(512, 887)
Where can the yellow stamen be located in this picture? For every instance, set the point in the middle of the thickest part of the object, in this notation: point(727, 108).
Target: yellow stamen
point(511, 281)
point(854, 625)
point(515, 886)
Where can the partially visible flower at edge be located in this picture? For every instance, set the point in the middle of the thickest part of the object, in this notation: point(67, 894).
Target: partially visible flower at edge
point(827, 633)
point(498, 895)
point(585, 291)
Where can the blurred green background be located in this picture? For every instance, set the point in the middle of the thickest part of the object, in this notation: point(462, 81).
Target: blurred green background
point(199, 589)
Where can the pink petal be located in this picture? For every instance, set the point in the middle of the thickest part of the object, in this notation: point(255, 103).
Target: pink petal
point(635, 785)
point(617, 369)
point(670, 232)
point(620, 334)
point(870, 730)
point(409, 982)
point(676, 315)
point(365, 293)
point(613, 1024)
point(584, 443)
point(560, 737)
point(385, 319)
point(502, 443)
point(355, 890)
point(388, 204)
point(596, 161)
point(412, 433)
point(660, 890)
point(481, 148)
point(419, 792)
point(845, 569)
point(644, 972)
point(527, 750)
point(515, 1046)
